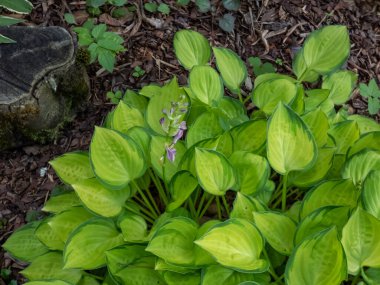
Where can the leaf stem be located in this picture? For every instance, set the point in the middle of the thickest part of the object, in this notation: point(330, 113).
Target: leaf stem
point(206, 207)
point(356, 279)
point(285, 181)
point(93, 276)
point(200, 205)
point(147, 216)
point(192, 208)
point(226, 206)
point(145, 199)
point(218, 208)
point(240, 97)
point(271, 270)
point(153, 201)
point(157, 183)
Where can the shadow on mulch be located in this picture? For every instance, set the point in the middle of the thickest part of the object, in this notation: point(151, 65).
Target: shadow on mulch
point(272, 30)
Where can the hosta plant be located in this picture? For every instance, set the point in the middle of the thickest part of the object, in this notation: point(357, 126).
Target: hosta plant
point(181, 185)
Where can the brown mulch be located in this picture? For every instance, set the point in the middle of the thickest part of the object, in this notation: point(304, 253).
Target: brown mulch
point(269, 29)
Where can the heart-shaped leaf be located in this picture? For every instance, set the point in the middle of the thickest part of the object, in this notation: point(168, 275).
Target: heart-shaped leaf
point(116, 159)
point(215, 174)
point(86, 246)
point(305, 266)
point(206, 85)
point(191, 48)
point(277, 229)
point(371, 193)
point(360, 239)
point(235, 243)
point(231, 67)
point(287, 134)
point(102, 201)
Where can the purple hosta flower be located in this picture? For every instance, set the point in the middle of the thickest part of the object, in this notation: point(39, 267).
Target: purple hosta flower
point(171, 152)
point(162, 121)
point(181, 129)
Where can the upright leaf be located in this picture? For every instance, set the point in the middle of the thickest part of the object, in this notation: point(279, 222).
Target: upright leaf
point(206, 85)
point(235, 243)
point(317, 260)
point(287, 135)
point(191, 48)
point(340, 85)
point(324, 51)
point(371, 193)
point(116, 159)
point(87, 245)
point(360, 239)
point(277, 229)
point(126, 117)
point(231, 67)
point(215, 174)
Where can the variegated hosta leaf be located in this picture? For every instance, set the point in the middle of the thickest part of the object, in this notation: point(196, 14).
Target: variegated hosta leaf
point(277, 229)
point(86, 246)
point(61, 202)
point(371, 193)
point(142, 137)
point(344, 134)
point(368, 140)
point(140, 275)
point(173, 278)
point(173, 242)
point(50, 266)
point(267, 95)
point(318, 123)
point(126, 117)
point(330, 193)
point(244, 206)
point(24, 245)
point(360, 239)
point(48, 236)
point(340, 84)
point(191, 48)
point(216, 274)
point(162, 265)
point(265, 193)
point(366, 125)
point(181, 187)
point(231, 67)
point(133, 227)
point(315, 98)
point(252, 171)
point(358, 166)
point(135, 100)
point(65, 222)
point(116, 159)
point(206, 126)
point(250, 136)
point(233, 110)
point(125, 255)
point(272, 76)
point(294, 211)
point(102, 201)
point(19, 6)
point(72, 167)
point(319, 259)
point(321, 219)
point(206, 85)
point(215, 174)
point(317, 172)
point(324, 50)
point(235, 243)
point(287, 135)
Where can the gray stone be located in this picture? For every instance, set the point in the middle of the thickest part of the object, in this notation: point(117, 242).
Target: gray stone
point(42, 84)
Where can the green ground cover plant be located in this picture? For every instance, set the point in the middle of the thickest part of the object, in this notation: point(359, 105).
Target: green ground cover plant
point(294, 184)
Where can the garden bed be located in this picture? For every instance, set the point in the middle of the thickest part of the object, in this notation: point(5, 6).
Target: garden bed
point(269, 30)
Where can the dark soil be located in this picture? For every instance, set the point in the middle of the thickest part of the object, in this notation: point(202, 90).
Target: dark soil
point(269, 29)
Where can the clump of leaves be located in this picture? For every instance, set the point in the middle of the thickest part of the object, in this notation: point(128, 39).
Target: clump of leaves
point(114, 97)
point(17, 6)
point(138, 72)
point(259, 67)
point(154, 7)
point(303, 174)
point(102, 45)
point(94, 6)
point(372, 93)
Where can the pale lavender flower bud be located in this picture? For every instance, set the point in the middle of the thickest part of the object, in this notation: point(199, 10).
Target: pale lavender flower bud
point(162, 121)
point(171, 152)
